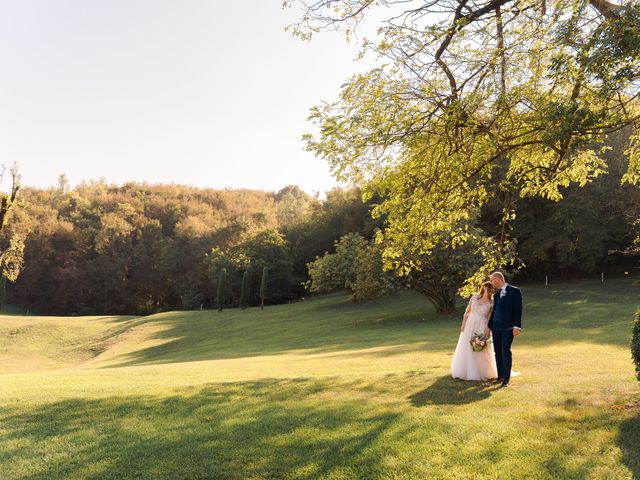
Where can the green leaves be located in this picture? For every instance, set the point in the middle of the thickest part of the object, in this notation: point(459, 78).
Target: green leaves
point(615, 50)
point(356, 265)
point(12, 259)
point(633, 152)
point(478, 105)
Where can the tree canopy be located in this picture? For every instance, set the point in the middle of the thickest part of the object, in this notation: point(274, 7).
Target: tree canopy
point(141, 248)
point(473, 102)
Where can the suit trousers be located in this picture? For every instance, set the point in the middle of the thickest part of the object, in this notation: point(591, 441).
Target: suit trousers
point(502, 340)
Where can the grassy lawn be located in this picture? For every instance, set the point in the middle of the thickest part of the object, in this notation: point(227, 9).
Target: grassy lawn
point(321, 389)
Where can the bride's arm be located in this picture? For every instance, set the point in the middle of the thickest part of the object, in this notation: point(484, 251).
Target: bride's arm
point(487, 331)
point(467, 312)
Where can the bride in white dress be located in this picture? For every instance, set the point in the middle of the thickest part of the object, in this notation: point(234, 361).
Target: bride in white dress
point(466, 363)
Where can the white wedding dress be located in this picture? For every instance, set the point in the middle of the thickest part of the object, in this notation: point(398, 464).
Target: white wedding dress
point(467, 364)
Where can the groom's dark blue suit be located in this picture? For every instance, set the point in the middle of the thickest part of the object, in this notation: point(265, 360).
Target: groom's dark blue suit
point(506, 314)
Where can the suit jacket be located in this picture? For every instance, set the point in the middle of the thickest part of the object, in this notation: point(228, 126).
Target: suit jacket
point(510, 310)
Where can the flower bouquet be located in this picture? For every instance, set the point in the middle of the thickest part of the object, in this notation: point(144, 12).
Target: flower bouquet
point(479, 341)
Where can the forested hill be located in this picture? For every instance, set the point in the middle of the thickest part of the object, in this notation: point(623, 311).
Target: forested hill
point(140, 248)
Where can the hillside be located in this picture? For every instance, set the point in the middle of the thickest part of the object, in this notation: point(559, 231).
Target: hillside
point(322, 388)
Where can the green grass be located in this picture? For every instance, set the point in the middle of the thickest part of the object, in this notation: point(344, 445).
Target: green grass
point(321, 389)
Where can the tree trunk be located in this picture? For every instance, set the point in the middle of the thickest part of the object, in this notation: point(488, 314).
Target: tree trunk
point(441, 297)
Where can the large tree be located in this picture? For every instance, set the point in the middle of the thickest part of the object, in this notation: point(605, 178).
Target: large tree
point(474, 102)
point(12, 247)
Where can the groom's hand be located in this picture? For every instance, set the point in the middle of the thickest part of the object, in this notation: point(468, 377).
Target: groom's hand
point(516, 332)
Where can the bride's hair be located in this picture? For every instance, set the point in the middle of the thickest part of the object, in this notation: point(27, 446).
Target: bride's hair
point(486, 290)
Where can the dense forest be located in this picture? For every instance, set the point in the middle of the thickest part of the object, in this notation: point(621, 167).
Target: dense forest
point(140, 248)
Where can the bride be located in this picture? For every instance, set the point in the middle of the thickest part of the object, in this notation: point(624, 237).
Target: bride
point(466, 363)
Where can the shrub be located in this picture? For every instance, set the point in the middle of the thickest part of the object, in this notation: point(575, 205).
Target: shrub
point(356, 265)
point(635, 343)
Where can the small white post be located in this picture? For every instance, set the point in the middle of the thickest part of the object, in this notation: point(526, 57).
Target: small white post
point(602, 277)
point(546, 281)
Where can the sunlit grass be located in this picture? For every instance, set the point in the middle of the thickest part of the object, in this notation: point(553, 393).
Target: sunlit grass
point(321, 389)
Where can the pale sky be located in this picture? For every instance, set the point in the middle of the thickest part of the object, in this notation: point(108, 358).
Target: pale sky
point(206, 93)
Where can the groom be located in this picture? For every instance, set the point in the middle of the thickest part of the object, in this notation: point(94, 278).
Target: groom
point(505, 323)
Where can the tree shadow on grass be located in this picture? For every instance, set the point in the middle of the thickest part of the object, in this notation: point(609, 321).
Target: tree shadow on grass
point(299, 428)
point(452, 391)
point(196, 336)
point(629, 442)
point(267, 429)
point(581, 313)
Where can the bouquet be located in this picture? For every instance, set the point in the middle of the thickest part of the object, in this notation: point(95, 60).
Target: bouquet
point(479, 341)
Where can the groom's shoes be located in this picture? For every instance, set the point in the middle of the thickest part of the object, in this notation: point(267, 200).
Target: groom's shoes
point(504, 384)
point(498, 380)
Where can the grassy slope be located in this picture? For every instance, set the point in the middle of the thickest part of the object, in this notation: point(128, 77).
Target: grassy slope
point(36, 343)
point(321, 388)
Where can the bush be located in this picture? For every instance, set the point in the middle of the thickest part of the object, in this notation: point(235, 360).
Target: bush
point(635, 343)
point(356, 265)
point(337, 270)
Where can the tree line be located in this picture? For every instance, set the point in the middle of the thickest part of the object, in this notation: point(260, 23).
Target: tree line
point(138, 248)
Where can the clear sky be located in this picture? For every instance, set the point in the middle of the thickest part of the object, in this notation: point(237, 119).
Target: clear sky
point(200, 92)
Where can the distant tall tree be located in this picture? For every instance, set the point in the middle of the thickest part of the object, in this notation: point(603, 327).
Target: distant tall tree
point(63, 183)
point(263, 286)
point(222, 280)
point(246, 288)
point(270, 248)
point(7, 199)
point(292, 205)
point(12, 255)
